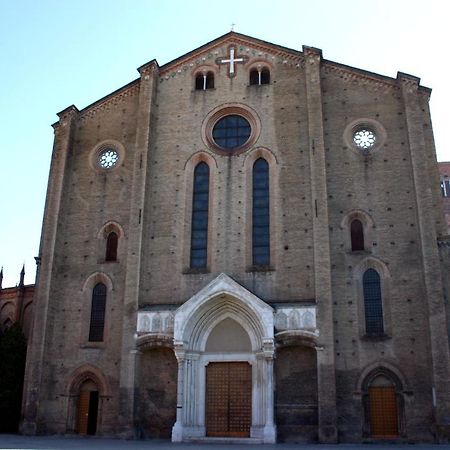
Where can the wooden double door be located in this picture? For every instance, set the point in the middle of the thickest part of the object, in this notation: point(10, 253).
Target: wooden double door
point(228, 399)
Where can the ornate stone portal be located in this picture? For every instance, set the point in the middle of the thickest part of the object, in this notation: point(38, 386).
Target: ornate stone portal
point(196, 345)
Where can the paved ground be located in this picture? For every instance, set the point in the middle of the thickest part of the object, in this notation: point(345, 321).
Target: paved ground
point(9, 441)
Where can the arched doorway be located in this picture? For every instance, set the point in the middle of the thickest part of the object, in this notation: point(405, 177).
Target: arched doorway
point(223, 341)
point(383, 403)
point(87, 391)
point(88, 402)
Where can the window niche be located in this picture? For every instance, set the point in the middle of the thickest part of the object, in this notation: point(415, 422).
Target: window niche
point(358, 227)
point(109, 245)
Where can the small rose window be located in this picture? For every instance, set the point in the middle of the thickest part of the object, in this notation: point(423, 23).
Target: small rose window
point(364, 138)
point(108, 158)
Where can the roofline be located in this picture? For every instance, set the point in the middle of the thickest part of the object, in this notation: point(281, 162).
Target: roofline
point(258, 41)
point(101, 100)
point(224, 36)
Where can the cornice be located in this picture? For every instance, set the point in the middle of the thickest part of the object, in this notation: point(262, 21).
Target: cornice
point(110, 101)
point(351, 75)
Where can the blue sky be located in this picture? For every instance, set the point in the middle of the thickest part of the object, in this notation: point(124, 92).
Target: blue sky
point(57, 53)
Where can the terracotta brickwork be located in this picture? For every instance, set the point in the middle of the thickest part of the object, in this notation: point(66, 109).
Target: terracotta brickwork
point(302, 123)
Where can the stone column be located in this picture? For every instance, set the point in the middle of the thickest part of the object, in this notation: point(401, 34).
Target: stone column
point(64, 131)
point(322, 268)
point(270, 433)
point(147, 92)
point(409, 86)
point(177, 430)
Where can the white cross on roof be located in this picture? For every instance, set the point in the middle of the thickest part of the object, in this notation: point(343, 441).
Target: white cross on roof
point(231, 60)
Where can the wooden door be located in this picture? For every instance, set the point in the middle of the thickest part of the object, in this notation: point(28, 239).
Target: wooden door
point(87, 412)
point(83, 412)
point(228, 399)
point(383, 412)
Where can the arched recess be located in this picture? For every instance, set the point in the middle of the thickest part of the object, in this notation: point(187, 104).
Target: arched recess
point(7, 315)
point(103, 239)
point(27, 315)
point(381, 268)
point(87, 390)
point(368, 226)
point(382, 387)
point(87, 291)
point(223, 301)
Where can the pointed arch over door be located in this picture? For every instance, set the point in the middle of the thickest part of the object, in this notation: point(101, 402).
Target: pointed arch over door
point(224, 307)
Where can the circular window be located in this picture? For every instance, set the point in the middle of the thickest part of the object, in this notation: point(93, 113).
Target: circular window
point(108, 158)
point(231, 129)
point(231, 132)
point(364, 138)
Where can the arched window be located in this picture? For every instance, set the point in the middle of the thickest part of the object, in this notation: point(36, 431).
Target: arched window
point(265, 76)
point(204, 81)
point(111, 246)
point(98, 306)
point(383, 409)
point(259, 76)
point(357, 235)
point(209, 80)
point(199, 82)
point(199, 225)
point(373, 304)
point(254, 77)
point(260, 214)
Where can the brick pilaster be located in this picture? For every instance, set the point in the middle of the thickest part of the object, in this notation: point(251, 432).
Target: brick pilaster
point(64, 130)
point(129, 360)
point(322, 274)
point(409, 86)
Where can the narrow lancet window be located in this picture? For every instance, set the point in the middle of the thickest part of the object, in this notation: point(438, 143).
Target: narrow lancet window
point(98, 306)
point(373, 304)
point(199, 226)
point(261, 214)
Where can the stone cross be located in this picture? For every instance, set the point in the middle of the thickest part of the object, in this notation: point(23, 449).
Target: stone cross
point(231, 60)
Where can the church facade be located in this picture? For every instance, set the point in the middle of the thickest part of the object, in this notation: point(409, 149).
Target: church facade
point(243, 244)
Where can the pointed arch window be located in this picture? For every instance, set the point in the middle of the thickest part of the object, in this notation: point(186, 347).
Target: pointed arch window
point(112, 241)
point(373, 304)
point(261, 214)
point(357, 235)
point(199, 224)
point(98, 306)
point(204, 81)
